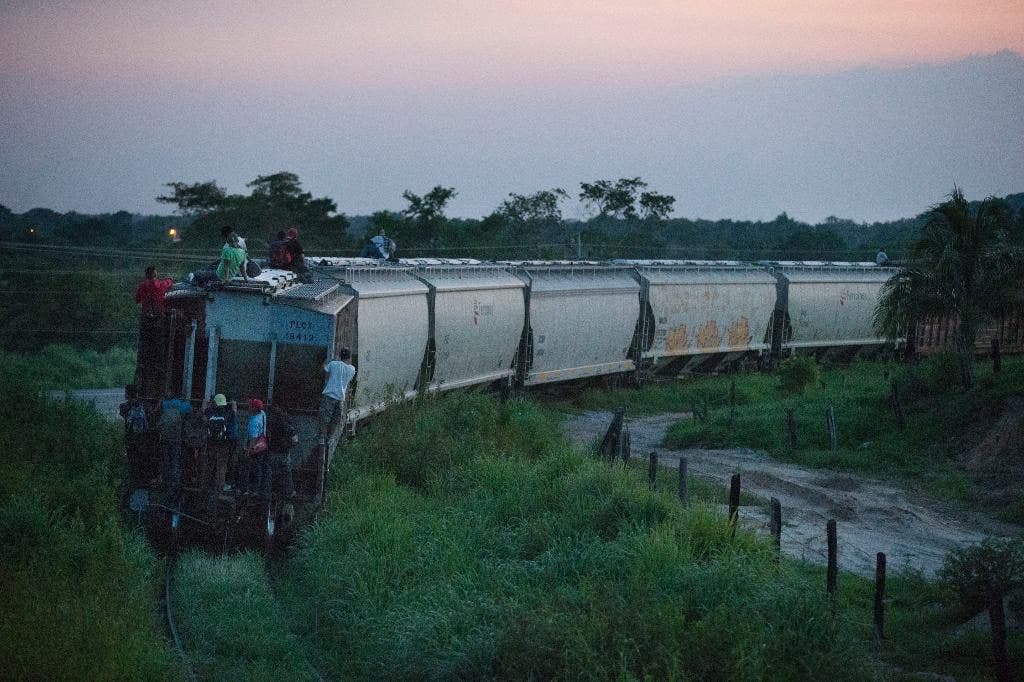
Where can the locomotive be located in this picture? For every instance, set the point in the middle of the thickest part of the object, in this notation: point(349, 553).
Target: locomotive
point(433, 325)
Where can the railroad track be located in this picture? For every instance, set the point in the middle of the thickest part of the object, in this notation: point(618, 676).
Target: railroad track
point(169, 605)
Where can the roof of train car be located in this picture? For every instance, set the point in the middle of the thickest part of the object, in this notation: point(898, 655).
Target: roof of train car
point(289, 286)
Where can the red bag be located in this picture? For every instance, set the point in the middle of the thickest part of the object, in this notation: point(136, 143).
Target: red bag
point(258, 446)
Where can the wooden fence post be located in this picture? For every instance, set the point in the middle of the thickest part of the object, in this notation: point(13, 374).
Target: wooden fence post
point(830, 423)
point(683, 498)
point(880, 597)
point(775, 525)
point(610, 442)
point(652, 470)
point(791, 428)
point(734, 502)
point(897, 406)
point(626, 446)
point(833, 567)
point(997, 357)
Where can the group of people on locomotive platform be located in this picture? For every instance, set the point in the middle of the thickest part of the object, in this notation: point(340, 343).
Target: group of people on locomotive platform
point(200, 447)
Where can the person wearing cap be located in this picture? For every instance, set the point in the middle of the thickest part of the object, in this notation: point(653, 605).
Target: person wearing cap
point(221, 441)
point(257, 465)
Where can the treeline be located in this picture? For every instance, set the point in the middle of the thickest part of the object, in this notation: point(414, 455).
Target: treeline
point(69, 278)
point(619, 219)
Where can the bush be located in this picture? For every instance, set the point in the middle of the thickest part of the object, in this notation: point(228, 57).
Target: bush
point(78, 589)
point(797, 373)
point(514, 556)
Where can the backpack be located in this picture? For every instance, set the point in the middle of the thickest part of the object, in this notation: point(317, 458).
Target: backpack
point(217, 428)
point(280, 255)
point(135, 421)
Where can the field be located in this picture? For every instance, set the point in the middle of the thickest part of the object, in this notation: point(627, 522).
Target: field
point(463, 537)
point(936, 449)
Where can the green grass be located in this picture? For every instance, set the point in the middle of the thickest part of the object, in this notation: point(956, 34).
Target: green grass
point(942, 422)
point(79, 591)
point(463, 538)
point(229, 623)
point(62, 367)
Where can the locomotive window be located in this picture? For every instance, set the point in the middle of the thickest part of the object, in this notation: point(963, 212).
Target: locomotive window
point(243, 369)
point(298, 376)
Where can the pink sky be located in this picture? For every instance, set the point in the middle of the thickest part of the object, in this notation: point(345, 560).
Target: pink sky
point(869, 110)
point(485, 44)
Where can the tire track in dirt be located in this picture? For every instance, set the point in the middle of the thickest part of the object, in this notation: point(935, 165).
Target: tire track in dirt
point(872, 515)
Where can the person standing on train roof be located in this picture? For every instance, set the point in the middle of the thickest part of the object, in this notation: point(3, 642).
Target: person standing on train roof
point(339, 374)
point(151, 290)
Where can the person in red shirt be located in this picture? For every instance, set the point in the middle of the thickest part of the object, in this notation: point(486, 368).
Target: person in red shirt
point(150, 292)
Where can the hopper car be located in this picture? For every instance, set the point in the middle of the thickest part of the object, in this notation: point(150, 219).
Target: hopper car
point(433, 325)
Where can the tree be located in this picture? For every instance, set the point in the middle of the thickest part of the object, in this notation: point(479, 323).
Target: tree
point(425, 214)
point(965, 266)
point(194, 199)
point(612, 199)
point(980, 577)
point(539, 207)
point(654, 206)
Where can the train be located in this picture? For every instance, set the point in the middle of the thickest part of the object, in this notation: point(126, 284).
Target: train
point(430, 325)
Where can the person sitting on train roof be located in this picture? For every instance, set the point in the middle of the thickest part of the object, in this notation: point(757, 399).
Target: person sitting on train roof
point(380, 247)
point(298, 262)
point(339, 374)
point(280, 255)
point(150, 292)
point(881, 259)
point(230, 265)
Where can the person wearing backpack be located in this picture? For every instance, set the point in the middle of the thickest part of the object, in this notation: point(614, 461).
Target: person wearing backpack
point(221, 441)
point(169, 428)
point(137, 434)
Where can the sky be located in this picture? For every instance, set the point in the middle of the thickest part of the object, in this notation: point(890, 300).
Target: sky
point(863, 109)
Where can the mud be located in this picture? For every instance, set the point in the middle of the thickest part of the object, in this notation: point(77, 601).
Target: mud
point(872, 516)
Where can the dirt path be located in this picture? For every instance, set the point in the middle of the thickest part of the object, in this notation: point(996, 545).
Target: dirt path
point(872, 516)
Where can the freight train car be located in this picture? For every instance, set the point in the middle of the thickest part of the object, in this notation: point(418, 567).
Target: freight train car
point(432, 325)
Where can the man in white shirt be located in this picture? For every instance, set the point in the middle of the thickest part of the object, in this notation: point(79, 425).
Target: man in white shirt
point(339, 373)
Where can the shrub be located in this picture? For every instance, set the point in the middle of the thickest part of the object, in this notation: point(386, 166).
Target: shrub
point(797, 373)
point(78, 588)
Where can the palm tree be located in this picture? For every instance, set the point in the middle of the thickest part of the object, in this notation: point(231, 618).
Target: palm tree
point(967, 265)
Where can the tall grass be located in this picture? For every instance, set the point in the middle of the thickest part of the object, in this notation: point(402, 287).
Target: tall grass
point(229, 622)
point(941, 421)
point(78, 590)
point(463, 538)
point(62, 367)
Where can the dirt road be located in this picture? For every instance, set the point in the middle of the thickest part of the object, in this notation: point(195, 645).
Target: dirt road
point(872, 516)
